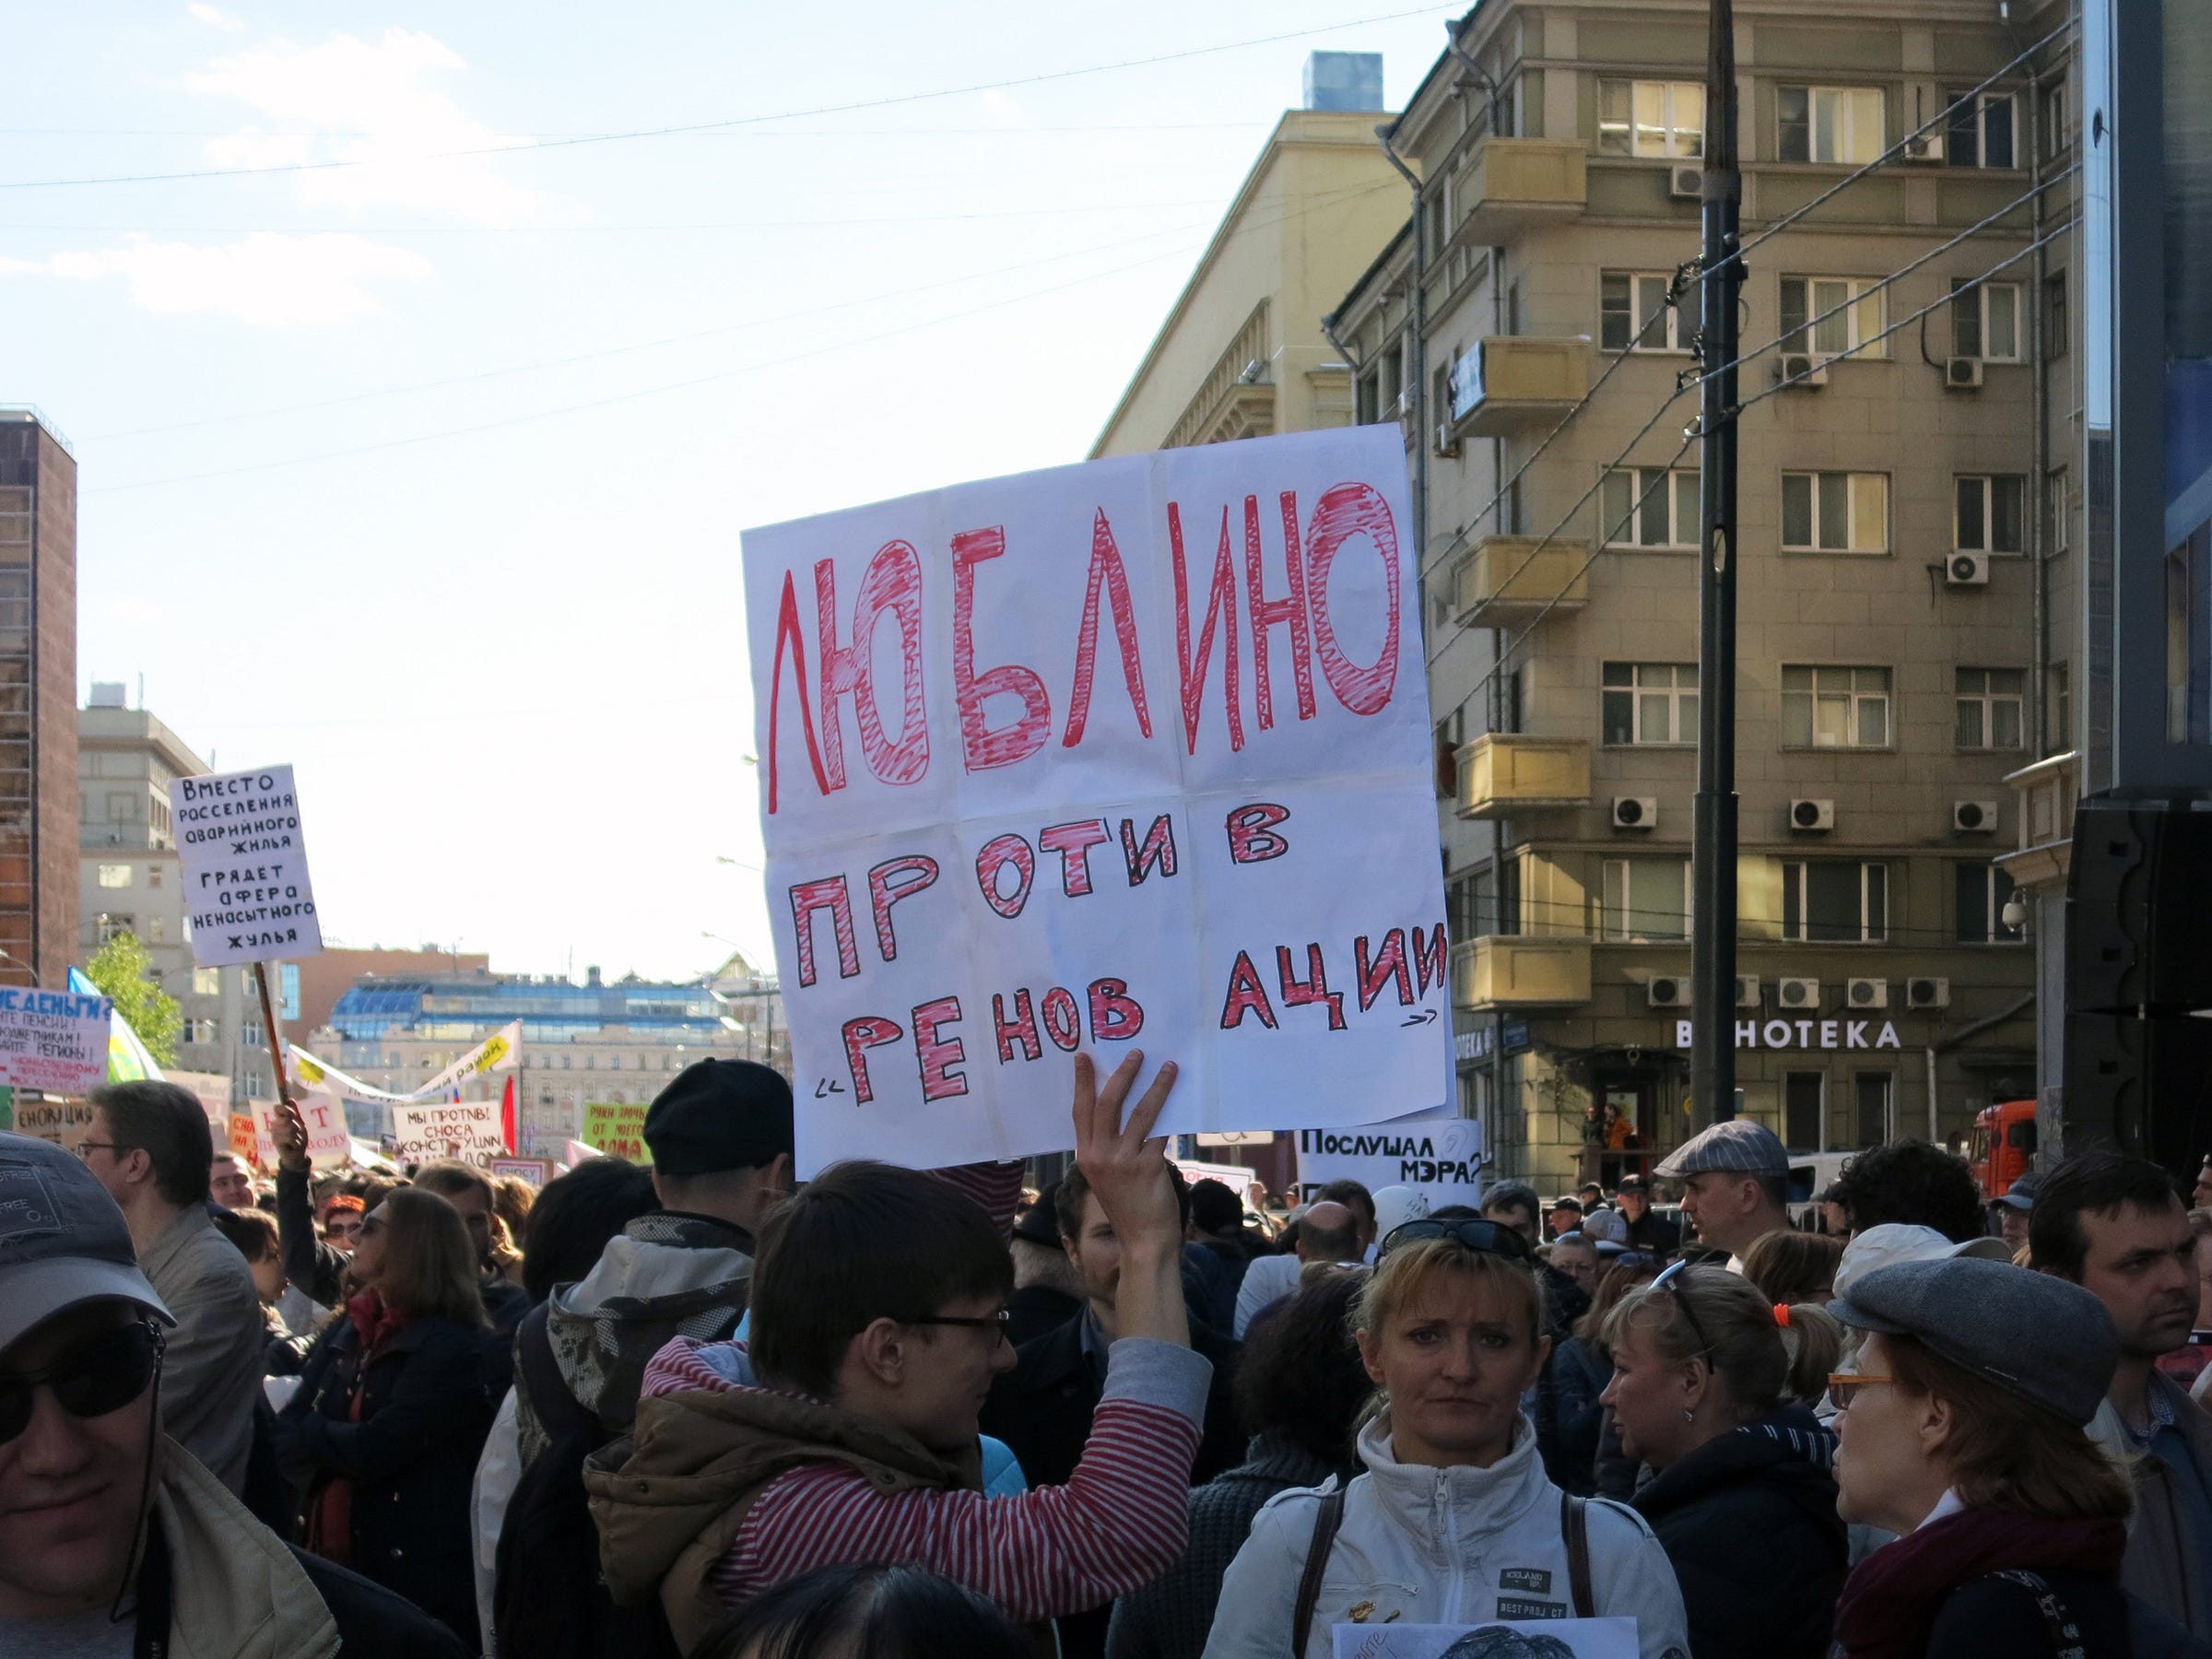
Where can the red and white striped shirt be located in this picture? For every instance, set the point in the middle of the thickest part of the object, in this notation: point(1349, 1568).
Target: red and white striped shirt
point(1118, 1523)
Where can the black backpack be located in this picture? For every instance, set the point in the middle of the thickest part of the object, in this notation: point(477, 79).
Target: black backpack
point(550, 1600)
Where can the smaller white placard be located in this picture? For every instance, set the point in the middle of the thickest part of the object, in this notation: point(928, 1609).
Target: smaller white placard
point(468, 1130)
point(246, 892)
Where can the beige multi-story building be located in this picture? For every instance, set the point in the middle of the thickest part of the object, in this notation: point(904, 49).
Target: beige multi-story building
point(1887, 534)
point(1242, 353)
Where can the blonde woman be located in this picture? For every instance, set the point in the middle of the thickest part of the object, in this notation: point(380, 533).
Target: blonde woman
point(1453, 1522)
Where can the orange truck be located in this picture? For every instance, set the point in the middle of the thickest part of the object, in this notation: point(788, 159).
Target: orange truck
point(2003, 1145)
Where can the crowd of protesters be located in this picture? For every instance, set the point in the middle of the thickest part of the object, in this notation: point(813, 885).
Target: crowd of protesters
point(699, 1408)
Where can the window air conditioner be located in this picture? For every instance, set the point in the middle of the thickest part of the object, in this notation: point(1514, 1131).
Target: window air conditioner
point(1801, 371)
point(1665, 991)
point(1807, 814)
point(1445, 443)
point(1635, 812)
point(1974, 818)
point(1798, 994)
point(1928, 994)
point(1966, 570)
point(1963, 374)
point(1866, 993)
point(1924, 147)
point(1686, 182)
point(1747, 990)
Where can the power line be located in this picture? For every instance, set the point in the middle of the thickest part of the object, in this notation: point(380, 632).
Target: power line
point(709, 126)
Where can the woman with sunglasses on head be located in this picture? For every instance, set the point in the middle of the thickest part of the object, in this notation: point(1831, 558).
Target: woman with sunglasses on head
point(1708, 1381)
point(1961, 1431)
point(391, 1412)
point(1454, 1522)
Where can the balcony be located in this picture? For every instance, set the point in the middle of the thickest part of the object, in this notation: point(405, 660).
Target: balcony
point(1511, 185)
point(1513, 383)
point(2046, 793)
point(1505, 971)
point(1504, 774)
point(1505, 581)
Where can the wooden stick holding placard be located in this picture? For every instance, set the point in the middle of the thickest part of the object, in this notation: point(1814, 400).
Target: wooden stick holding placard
point(269, 1032)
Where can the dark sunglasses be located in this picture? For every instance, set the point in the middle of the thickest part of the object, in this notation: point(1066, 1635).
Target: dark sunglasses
point(1668, 1281)
point(101, 1374)
point(1486, 1237)
point(999, 1323)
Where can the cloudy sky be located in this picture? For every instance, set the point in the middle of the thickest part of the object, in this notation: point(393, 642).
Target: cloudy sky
point(421, 378)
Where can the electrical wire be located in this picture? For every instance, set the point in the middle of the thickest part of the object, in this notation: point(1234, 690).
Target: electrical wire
point(709, 126)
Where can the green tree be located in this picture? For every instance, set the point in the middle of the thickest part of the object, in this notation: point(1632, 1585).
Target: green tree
point(123, 972)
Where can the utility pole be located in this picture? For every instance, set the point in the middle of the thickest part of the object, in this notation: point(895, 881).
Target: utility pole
point(1713, 825)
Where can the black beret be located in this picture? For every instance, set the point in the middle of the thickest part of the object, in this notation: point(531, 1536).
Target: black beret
point(718, 1115)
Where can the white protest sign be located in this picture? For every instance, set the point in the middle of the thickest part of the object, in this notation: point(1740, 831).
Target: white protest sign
point(246, 892)
point(1539, 1632)
point(1441, 1158)
point(55, 1040)
point(324, 1115)
point(1130, 753)
point(468, 1130)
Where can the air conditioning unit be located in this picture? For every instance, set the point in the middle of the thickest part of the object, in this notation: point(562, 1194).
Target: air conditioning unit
point(1806, 816)
point(1801, 371)
point(1747, 990)
point(1966, 570)
point(1665, 991)
point(1923, 147)
point(1974, 818)
point(1445, 443)
point(1797, 993)
point(1963, 374)
point(1687, 183)
point(1927, 993)
point(1866, 993)
point(1635, 812)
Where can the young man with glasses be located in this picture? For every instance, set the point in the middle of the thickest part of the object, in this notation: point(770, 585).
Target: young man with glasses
point(151, 1148)
point(114, 1539)
point(875, 1334)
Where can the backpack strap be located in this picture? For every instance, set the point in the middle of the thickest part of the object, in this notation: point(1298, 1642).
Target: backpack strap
point(539, 1374)
point(1327, 1517)
point(1574, 1526)
point(2058, 1623)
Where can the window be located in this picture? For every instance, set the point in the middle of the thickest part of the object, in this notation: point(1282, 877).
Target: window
point(1368, 404)
point(2056, 503)
point(153, 876)
point(1633, 312)
point(2052, 119)
point(1644, 507)
point(1832, 315)
point(122, 808)
point(111, 925)
point(2062, 707)
point(1981, 130)
point(1990, 701)
point(116, 876)
point(1651, 117)
point(1650, 702)
point(1992, 514)
point(206, 982)
point(1835, 901)
point(1873, 1094)
point(1985, 320)
point(1982, 892)
point(2057, 314)
point(1802, 1110)
point(1835, 513)
point(1835, 707)
point(202, 1030)
point(1841, 124)
point(157, 930)
point(1646, 899)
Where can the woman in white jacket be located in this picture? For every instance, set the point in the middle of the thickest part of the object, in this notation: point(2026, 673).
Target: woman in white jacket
point(1454, 1522)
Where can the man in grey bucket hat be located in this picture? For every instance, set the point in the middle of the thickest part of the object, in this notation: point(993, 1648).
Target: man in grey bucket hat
point(112, 1537)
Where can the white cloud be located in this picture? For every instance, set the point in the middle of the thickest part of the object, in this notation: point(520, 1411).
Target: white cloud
point(214, 18)
point(273, 280)
point(380, 95)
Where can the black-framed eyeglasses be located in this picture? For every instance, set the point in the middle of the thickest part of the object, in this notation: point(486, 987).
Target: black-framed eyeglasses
point(1000, 1324)
point(1489, 1238)
point(101, 1374)
point(1670, 1280)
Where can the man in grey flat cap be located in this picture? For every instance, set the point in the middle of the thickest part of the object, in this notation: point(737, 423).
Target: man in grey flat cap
point(1734, 1180)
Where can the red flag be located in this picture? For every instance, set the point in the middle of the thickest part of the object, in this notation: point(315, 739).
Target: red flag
point(507, 1125)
